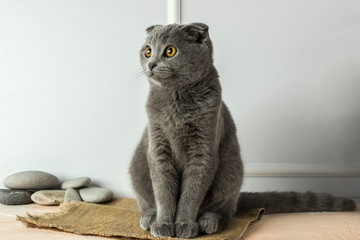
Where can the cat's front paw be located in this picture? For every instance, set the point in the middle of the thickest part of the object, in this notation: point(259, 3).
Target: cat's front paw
point(186, 229)
point(147, 218)
point(162, 229)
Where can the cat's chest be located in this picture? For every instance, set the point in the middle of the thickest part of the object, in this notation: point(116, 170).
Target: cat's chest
point(180, 114)
point(173, 114)
point(172, 118)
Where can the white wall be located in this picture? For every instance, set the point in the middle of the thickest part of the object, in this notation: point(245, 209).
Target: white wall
point(72, 97)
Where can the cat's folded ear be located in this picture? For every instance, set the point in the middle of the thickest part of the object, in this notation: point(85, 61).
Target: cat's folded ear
point(151, 28)
point(198, 32)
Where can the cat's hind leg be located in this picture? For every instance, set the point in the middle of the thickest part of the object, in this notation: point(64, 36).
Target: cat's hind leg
point(208, 222)
point(141, 181)
point(214, 211)
point(147, 218)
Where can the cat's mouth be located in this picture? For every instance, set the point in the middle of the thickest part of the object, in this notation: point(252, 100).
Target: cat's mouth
point(161, 76)
point(162, 72)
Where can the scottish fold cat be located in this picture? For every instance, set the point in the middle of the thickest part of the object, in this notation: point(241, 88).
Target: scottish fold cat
point(187, 170)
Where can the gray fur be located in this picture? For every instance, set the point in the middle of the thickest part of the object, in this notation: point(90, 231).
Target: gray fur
point(285, 202)
point(187, 171)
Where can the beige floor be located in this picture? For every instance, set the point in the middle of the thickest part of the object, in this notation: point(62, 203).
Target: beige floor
point(296, 226)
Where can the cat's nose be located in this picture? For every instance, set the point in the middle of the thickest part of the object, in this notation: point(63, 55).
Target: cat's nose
point(152, 65)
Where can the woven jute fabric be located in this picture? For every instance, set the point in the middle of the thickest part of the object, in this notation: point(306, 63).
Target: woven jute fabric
point(120, 218)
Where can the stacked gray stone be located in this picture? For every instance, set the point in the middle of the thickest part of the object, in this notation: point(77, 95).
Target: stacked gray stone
point(43, 188)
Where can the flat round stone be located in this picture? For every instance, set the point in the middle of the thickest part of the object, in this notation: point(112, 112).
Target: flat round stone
point(48, 197)
point(31, 180)
point(96, 194)
point(76, 183)
point(72, 195)
point(14, 197)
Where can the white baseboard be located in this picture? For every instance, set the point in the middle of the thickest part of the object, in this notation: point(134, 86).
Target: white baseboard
point(305, 170)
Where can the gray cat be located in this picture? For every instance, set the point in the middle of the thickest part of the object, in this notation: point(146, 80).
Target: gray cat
point(187, 171)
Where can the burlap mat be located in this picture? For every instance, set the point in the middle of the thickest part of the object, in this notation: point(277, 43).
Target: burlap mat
point(120, 218)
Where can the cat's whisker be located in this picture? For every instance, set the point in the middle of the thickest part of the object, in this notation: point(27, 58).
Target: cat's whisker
point(138, 79)
point(140, 73)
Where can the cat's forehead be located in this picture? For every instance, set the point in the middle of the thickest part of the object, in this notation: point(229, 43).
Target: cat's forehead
point(164, 34)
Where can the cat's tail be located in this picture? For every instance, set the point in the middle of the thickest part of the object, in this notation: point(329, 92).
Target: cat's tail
point(288, 202)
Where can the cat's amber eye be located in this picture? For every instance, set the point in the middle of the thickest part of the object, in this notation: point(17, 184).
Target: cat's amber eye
point(148, 52)
point(170, 52)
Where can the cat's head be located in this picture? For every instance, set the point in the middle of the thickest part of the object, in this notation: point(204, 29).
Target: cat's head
point(175, 55)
